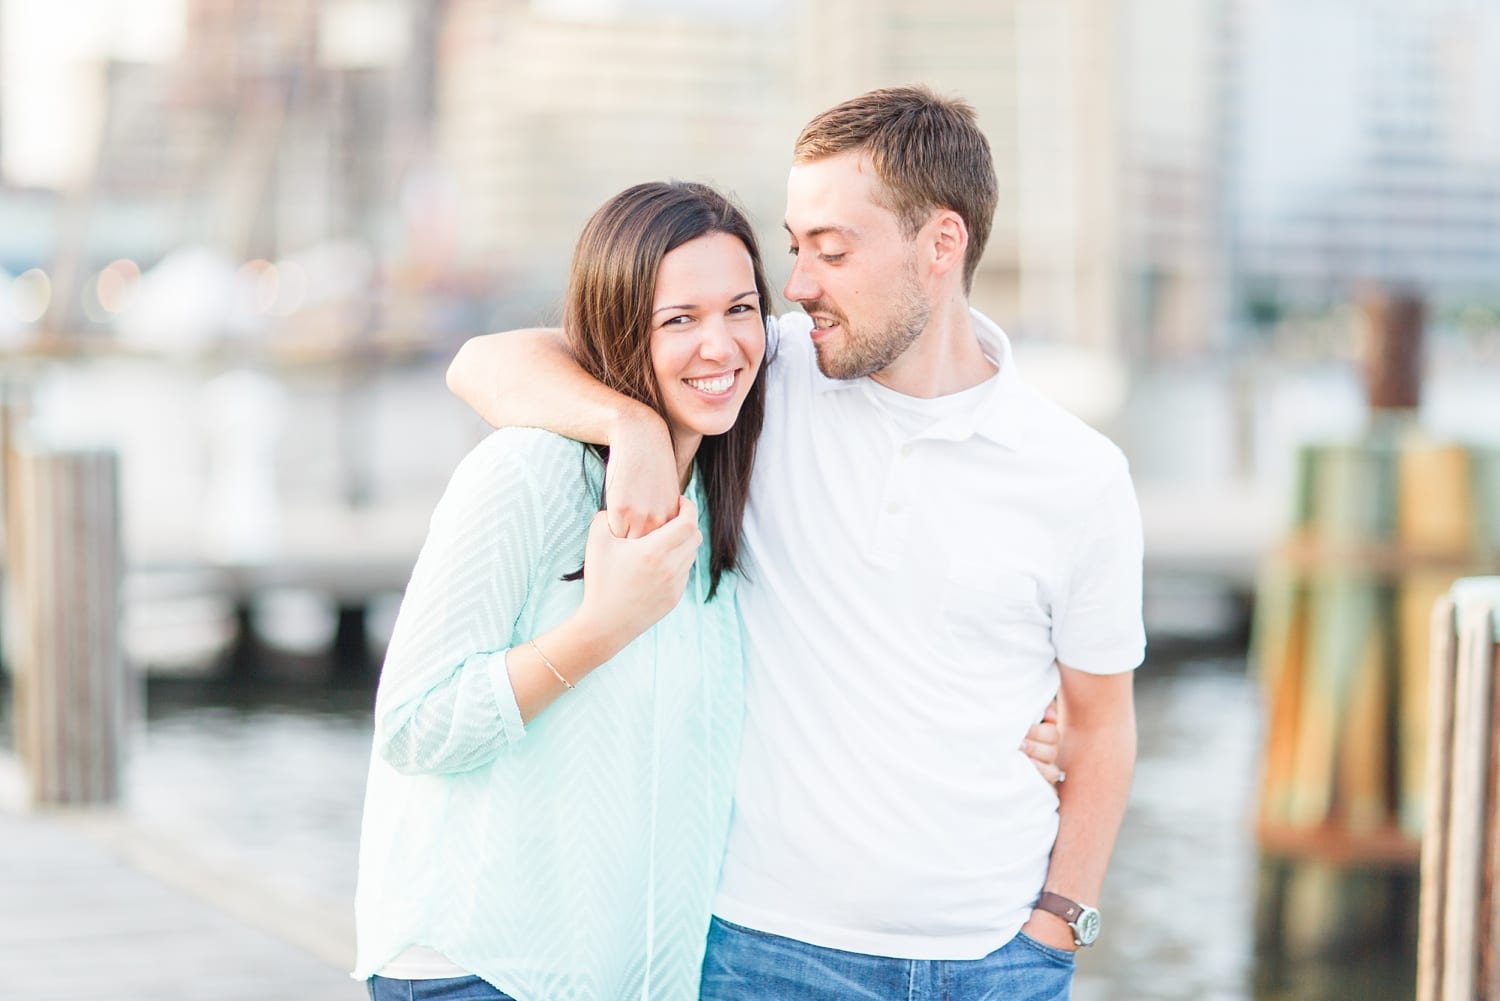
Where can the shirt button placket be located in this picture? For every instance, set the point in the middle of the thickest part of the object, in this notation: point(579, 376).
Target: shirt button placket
point(891, 532)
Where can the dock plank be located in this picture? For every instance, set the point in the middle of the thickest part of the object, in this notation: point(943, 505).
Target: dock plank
point(80, 922)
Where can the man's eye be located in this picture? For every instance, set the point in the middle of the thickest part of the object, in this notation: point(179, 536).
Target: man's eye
point(792, 251)
point(832, 258)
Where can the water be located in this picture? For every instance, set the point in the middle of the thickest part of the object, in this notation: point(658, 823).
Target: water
point(271, 778)
point(1181, 887)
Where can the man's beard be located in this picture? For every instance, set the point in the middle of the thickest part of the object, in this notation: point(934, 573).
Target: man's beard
point(864, 354)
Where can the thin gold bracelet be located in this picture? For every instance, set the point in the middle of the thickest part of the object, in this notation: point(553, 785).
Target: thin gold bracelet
point(550, 666)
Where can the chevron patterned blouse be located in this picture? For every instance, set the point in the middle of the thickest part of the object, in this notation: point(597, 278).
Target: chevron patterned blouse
point(573, 859)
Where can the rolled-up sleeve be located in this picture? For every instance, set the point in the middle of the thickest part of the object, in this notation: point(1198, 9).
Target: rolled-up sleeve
point(445, 702)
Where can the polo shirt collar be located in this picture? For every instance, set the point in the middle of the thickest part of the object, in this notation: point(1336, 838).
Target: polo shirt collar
point(1000, 417)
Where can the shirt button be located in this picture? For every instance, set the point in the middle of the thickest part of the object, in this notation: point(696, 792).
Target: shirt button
point(894, 507)
point(906, 450)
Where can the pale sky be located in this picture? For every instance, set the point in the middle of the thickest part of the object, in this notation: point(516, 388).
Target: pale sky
point(732, 10)
point(50, 84)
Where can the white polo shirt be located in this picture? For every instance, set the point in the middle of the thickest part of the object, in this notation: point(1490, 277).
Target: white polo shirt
point(906, 600)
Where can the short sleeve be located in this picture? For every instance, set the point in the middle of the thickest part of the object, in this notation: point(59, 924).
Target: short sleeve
point(1099, 628)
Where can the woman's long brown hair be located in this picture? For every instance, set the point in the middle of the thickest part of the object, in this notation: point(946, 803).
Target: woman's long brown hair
point(607, 318)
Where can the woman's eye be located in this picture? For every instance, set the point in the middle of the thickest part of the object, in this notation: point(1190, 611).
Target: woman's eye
point(792, 251)
point(832, 258)
point(678, 320)
point(742, 307)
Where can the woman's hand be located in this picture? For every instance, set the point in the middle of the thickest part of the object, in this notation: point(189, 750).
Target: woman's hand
point(1041, 744)
point(629, 584)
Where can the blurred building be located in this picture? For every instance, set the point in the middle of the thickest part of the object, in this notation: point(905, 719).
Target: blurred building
point(277, 125)
point(250, 128)
point(542, 115)
point(1105, 121)
point(1367, 149)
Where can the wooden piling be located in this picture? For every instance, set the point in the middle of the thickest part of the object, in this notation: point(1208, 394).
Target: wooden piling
point(1392, 349)
point(1382, 524)
point(70, 692)
point(15, 410)
point(1430, 939)
point(1458, 950)
point(351, 650)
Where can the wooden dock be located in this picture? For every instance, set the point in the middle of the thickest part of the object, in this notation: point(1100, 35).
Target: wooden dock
point(92, 909)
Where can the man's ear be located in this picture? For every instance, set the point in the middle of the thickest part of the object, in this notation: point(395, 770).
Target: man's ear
point(947, 241)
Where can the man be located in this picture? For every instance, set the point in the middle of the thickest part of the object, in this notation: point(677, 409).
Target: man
point(934, 553)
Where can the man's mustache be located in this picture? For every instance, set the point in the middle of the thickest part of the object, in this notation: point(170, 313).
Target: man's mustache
point(822, 306)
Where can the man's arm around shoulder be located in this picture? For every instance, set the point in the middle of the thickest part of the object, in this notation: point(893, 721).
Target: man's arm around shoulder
point(529, 378)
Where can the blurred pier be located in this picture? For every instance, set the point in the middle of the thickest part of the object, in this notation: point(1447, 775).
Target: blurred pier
point(247, 489)
point(1204, 546)
point(349, 557)
point(1204, 542)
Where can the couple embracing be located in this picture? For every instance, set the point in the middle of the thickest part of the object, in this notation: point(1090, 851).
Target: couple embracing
point(735, 681)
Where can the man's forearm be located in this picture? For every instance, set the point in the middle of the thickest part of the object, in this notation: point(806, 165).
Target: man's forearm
point(1097, 717)
point(1099, 762)
point(528, 378)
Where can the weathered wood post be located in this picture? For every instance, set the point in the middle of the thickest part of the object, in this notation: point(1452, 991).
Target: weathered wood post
point(351, 651)
point(15, 409)
point(1458, 949)
point(70, 692)
point(1382, 525)
point(1392, 350)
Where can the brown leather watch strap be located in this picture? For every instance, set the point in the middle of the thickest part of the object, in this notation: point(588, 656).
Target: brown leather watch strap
point(1056, 903)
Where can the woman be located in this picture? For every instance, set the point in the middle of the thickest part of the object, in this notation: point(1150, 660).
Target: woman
point(554, 749)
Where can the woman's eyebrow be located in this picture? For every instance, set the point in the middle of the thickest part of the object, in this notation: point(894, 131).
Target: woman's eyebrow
point(694, 305)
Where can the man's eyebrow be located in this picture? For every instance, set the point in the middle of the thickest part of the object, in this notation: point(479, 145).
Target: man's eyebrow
point(818, 231)
point(693, 305)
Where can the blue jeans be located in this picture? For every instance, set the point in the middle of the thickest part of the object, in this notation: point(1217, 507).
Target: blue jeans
point(742, 964)
point(448, 989)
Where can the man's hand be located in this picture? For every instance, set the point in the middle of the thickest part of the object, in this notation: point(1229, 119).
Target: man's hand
point(1041, 744)
point(1049, 929)
point(629, 584)
point(529, 378)
point(641, 490)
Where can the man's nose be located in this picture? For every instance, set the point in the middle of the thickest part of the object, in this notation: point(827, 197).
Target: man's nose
point(800, 286)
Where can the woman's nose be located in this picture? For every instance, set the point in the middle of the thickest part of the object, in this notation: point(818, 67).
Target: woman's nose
point(716, 342)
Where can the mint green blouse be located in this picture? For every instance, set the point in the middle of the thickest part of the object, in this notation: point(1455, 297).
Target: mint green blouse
point(575, 857)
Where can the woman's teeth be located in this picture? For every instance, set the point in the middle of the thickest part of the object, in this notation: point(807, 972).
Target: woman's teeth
point(715, 386)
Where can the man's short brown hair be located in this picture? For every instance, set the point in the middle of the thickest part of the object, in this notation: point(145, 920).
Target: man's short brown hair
point(927, 151)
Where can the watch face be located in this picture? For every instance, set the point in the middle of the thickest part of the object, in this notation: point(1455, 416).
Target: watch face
point(1087, 926)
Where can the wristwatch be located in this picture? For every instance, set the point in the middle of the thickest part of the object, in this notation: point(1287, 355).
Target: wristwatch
point(1083, 919)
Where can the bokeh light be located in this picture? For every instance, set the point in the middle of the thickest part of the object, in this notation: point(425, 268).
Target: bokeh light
point(288, 282)
point(30, 295)
point(117, 285)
